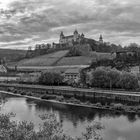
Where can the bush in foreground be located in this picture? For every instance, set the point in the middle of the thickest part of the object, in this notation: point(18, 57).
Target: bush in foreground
point(51, 129)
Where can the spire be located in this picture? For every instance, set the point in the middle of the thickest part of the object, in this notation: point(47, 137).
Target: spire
point(101, 39)
point(75, 32)
point(82, 35)
point(62, 34)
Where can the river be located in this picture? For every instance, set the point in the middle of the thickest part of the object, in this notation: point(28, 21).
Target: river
point(75, 119)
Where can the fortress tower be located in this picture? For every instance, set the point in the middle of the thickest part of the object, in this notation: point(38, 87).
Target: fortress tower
point(69, 39)
point(101, 39)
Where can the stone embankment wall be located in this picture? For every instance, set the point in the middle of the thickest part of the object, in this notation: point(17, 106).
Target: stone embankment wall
point(122, 96)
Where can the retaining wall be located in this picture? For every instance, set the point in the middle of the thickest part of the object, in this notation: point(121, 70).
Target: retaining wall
point(72, 92)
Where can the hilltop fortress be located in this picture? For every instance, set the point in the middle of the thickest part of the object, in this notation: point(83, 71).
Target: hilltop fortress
point(66, 42)
point(76, 37)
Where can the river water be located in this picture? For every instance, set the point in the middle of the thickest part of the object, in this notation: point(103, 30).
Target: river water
point(74, 119)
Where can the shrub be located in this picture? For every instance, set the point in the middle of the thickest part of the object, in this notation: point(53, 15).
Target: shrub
point(29, 93)
point(15, 91)
point(88, 103)
point(48, 97)
point(111, 78)
point(22, 93)
point(74, 51)
point(50, 78)
point(75, 101)
point(128, 81)
point(118, 106)
point(98, 104)
point(11, 89)
point(60, 98)
point(50, 129)
point(99, 78)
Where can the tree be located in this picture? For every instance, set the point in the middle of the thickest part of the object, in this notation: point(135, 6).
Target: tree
point(74, 51)
point(99, 78)
point(104, 77)
point(51, 129)
point(114, 77)
point(50, 78)
point(128, 81)
point(133, 47)
point(93, 132)
point(83, 76)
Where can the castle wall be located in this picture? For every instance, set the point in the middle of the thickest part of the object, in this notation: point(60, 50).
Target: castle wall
point(69, 39)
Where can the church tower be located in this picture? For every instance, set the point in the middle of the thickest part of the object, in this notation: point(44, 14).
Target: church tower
point(101, 39)
point(62, 40)
point(76, 35)
point(61, 35)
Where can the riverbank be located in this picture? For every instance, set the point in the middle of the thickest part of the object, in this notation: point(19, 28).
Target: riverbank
point(120, 96)
point(119, 108)
point(52, 101)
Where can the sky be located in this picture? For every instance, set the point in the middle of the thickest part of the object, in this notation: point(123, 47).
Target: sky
point(25, 23)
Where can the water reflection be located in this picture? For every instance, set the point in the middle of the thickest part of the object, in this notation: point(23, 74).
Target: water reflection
point(118, 126)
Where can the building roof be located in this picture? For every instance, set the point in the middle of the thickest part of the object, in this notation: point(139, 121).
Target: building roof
point(3, 69)
point(76, 70)
point(70, 36)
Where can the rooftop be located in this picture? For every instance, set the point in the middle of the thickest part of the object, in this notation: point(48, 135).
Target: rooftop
point(76, 70)
point(3, 69)
point(69, 36)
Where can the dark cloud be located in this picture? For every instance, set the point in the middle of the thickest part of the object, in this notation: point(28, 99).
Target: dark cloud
point(39, 20)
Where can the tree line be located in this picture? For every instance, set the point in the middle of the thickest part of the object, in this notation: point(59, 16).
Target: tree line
point(103, 77)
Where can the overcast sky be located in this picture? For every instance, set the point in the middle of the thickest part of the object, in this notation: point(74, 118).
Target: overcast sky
point(27, 22)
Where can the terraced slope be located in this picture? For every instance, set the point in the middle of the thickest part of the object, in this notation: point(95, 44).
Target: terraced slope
point(59, 59)
point(100, 55)
point(84, 60)
point(78, 60)
point(44, 60)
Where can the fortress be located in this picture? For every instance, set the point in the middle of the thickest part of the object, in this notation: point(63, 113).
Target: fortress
point(76, 37)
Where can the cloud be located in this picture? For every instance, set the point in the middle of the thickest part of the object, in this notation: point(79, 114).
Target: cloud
point(39, 20)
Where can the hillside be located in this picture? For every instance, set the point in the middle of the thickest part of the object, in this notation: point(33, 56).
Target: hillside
point(12, 55)
point(101, 55)
point(60, 59)
point(84, 60)
point(43, 60)
point(77, 60)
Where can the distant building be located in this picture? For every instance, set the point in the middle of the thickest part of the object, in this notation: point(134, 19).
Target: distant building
point(9, 78)
point(29, 77)
point(72, 74)
point(101, 39)
point(3, 69)
point(125, 55)
point(76, 37)
point(55, 45)
point(42, 46)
